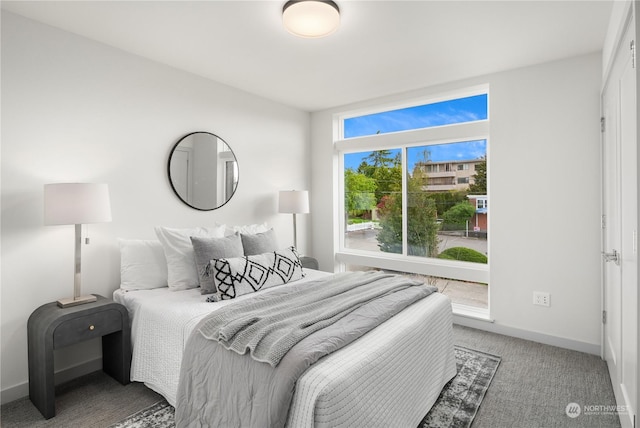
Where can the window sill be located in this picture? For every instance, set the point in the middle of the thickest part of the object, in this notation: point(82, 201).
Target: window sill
point(473, 272)
point(471, 312)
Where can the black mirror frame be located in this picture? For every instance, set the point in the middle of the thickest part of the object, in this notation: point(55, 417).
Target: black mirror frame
point(171, 181)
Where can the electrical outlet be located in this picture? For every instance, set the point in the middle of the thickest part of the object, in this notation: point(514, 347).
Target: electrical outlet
point(541, 298)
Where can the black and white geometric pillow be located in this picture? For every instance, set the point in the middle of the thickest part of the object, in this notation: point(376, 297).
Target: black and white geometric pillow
point(234, 277)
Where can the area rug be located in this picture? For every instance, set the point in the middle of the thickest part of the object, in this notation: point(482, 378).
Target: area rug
point(460, 399)
point(455, 408)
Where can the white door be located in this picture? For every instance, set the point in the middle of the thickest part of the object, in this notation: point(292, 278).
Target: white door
point(620, 220)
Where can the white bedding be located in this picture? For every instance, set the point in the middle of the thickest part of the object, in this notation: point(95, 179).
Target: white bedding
point(410, 358)
point(162, 320)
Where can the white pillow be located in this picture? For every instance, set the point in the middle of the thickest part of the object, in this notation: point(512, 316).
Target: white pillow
point(248, 229)
point(142, 264)
point(178, 250)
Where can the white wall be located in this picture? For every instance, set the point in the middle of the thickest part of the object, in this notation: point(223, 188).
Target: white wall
point(76, 110)
point(545, 197)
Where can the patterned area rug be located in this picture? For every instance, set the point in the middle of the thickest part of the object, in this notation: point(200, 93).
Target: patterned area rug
point(456, 407)
point(460, 399)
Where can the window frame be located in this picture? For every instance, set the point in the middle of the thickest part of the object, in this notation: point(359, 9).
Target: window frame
point(462, 132)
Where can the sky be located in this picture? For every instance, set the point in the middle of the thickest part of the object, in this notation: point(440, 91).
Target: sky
point(460, 110)
point(448, 112)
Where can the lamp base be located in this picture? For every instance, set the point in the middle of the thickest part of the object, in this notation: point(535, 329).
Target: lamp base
point(81, 300)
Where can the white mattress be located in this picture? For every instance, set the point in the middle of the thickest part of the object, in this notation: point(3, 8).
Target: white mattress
point(410, 358)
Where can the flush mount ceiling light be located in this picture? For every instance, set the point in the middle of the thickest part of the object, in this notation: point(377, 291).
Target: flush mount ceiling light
point(310, 18)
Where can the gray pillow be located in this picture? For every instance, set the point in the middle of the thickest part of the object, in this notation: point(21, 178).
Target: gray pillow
point(259, 243)
point(207, 249)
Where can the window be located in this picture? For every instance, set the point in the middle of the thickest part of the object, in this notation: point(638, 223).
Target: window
point(418, 207)
point(453, 111)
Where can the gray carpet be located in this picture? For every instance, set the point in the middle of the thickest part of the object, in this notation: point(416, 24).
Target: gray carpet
point(92, 401)
point(531, 389)
point(536, 382)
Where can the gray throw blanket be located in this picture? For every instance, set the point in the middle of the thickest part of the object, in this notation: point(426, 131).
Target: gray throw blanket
point(219, 388)
point(267, 328)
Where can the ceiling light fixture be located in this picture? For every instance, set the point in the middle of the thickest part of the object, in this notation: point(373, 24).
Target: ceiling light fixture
point(311, 18)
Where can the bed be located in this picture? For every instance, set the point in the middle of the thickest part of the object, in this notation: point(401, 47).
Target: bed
point(391, 376)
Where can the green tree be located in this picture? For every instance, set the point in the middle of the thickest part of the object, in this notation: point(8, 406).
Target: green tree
point(385, 170)
point(359, 192)
point(390, 234)
point(422, 225)
point(479, 186)
point(422, 218)
point(380, 159)
point(459, 214)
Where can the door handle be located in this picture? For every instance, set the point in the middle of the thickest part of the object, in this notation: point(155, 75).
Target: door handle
point(613, 256)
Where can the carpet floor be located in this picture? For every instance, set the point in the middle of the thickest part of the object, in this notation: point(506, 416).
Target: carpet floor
point(531, 389)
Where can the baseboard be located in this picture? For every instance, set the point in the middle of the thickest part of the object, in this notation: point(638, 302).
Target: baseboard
point(574, 345)
point(16, 392)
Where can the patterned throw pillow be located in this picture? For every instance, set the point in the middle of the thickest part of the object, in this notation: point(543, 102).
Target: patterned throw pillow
point(234, 277)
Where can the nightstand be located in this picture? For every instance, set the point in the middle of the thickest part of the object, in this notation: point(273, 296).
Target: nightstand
point(51, 327)
point(309, 262)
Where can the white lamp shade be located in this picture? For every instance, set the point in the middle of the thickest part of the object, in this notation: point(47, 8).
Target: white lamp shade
point(294, 201)
point(76, 203)
point(311, 18)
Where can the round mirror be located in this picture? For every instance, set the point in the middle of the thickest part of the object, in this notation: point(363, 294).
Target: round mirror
point(203, 171)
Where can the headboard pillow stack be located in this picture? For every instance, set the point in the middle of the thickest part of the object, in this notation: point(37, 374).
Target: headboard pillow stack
point(183, 258)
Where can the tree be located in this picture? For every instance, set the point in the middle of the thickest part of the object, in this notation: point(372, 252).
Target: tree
point(479, 186)
point(422, 225)
point(380, 159)
point(459, 214)
point(385, 170)
point(422, 218)
point(359, 192)
point(390, 234)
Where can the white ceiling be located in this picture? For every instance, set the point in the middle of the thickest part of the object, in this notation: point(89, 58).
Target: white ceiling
point(381, 47)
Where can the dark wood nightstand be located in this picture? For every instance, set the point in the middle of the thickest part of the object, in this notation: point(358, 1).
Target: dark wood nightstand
point(51, 327)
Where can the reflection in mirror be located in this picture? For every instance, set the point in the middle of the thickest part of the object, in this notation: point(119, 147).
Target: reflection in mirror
point(203, 171)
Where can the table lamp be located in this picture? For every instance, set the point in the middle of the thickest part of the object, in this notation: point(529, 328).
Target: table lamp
point(78, 204)
point(294, 202)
